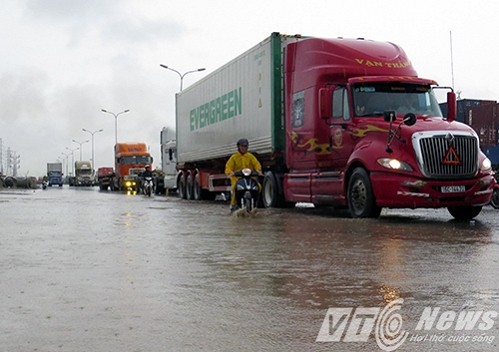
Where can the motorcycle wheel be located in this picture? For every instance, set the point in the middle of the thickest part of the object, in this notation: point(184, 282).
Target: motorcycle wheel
point(494, 201)
point(247, 202)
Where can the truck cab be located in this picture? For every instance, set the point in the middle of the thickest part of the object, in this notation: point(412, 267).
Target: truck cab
point(83, 173)
point(364, 131)
point(104, 177)
point(130, 162)
point(54, 174)
point(169, 158)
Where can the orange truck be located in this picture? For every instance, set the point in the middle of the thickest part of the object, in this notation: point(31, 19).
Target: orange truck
point(130, 160)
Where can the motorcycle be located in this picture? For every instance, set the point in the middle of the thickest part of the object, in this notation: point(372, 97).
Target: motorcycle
point(148, 186)
point(247, 191)
point(44, 184)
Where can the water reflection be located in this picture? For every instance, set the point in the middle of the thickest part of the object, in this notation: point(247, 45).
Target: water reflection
point(146, 272)
point(319, 261)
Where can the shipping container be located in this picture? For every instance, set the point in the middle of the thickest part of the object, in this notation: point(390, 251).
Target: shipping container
point(483, 119)
point(234, 101)
point(463, 107)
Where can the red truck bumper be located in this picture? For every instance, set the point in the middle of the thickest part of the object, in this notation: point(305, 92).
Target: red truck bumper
point(398, 191)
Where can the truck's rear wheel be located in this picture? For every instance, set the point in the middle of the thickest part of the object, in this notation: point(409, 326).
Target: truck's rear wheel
point(181, 187)
point(189, 187)
point(196, 189)
point(464, 213)
point(361, 201)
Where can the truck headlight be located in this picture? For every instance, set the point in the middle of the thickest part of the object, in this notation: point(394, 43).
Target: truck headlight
point(394, 164)
point(486, 164)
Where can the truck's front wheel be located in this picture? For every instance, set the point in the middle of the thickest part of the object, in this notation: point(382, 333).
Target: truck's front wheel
point(361, 201)
point(494, 201)
point(464, 213)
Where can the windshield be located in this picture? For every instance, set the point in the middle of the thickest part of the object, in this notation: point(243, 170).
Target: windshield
point(136, 160)
point(374, 99)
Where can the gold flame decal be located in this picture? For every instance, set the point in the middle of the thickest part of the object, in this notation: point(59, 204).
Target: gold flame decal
point(312, 145)
point(362, 132)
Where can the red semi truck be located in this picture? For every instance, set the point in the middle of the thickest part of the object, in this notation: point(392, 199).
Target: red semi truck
point(104, 177)
point(342, 122)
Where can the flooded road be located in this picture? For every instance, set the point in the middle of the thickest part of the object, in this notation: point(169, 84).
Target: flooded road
point(83, 270)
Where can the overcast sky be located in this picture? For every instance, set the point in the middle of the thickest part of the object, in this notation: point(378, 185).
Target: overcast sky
point(62, 61)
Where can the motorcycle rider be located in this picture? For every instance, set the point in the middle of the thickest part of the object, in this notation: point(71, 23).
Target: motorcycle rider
point(240, 160)
point(146, 173)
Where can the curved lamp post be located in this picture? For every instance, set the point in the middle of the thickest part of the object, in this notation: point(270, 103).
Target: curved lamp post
point(67, 161)
point(92, 133)
point(181, 75)
point(80, 143)
point(115, 122)
point(72, 158)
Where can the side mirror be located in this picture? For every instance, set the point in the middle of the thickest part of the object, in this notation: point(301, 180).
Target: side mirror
point(325, 103)
point(410, 119)
point(451, 106)
point(389, 116)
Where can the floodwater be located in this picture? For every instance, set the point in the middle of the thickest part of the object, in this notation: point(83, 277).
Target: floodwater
point(84, 270)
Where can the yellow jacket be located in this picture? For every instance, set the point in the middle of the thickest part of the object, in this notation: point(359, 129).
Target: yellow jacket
point(240, 161)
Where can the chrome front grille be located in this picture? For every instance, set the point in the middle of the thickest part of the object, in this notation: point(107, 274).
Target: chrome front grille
point(447, 155)
point(136, 171)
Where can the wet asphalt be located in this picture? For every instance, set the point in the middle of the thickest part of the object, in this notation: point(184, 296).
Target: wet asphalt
point(84, 270)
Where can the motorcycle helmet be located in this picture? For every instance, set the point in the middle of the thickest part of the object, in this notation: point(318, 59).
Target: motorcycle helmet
point(243, 142)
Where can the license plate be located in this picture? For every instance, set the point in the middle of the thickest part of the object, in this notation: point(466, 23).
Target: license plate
point(453, 189)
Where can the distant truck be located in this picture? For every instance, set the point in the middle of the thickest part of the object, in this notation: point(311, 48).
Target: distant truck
point(340, 122)
point(54, 174)
point(104, 177)
point(83, 174)
point(130, 160)
point(168, 158)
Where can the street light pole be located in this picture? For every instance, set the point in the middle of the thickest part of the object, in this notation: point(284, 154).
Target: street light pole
point(115, 122)
point(92, 133)
point(80, 143)
point(72, 158)
point(181, 75)
point(67, 156)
